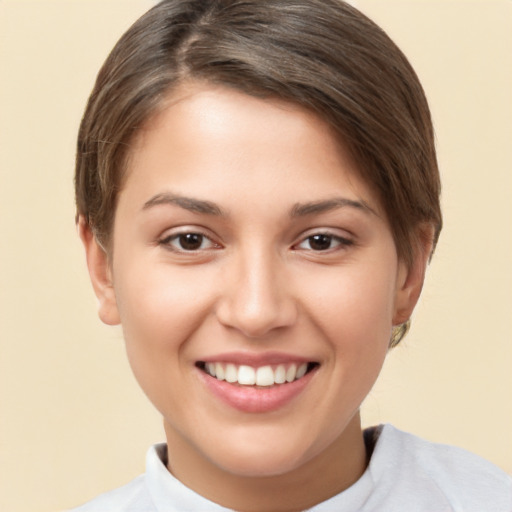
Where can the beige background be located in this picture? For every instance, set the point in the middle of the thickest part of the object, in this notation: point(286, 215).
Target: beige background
point(72, 420)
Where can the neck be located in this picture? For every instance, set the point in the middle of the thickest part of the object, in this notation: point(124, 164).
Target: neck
point(335, 469)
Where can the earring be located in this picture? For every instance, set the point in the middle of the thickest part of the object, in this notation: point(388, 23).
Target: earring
point(398, 333)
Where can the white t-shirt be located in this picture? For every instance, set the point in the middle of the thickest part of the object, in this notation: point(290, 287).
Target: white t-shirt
point(405, 474)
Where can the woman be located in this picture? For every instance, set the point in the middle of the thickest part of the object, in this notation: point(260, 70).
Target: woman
point(258, 197)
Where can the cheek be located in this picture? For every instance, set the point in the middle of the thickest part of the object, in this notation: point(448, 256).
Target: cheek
point(355, 306)
point(354, 313)
point(160, 308)
point(160, 298)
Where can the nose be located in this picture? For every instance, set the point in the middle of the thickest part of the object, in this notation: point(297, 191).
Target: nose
point(256, 298)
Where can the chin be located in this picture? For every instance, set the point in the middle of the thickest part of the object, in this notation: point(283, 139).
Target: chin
point(261, 458)
point(260, 465)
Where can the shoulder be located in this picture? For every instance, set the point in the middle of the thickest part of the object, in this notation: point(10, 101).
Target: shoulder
point(410, 467)
point(132, 497)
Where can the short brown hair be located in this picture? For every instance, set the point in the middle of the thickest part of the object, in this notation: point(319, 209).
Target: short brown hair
point(322, 54)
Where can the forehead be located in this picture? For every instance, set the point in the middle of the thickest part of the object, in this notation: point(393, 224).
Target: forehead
point(207, 134)
point(211, 110)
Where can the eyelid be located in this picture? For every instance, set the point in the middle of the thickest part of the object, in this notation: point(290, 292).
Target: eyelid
point(173, 234)
point(343, 240)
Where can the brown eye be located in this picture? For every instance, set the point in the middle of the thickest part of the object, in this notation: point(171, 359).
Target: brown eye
point(323, 242)
point(190, 241)
point(320, 242)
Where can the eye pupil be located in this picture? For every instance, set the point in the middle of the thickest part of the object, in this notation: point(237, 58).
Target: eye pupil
point(191, 241)
point(320, 242)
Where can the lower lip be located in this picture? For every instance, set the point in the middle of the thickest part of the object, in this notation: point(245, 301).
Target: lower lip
point(256, 399)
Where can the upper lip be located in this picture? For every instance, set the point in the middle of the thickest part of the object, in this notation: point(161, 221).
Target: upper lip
point(256, 359)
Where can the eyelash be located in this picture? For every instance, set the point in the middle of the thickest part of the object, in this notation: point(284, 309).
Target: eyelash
point(341, 242)
point(196, 237)
point(179, 238)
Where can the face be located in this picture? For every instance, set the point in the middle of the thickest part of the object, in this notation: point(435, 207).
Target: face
point(256, 280)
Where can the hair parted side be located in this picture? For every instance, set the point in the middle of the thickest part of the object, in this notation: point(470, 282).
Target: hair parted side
point(322, 54)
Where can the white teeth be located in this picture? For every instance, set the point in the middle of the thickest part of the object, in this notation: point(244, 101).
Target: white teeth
point(219, 371)
point(262, 376)
point(280, 375)
point(231, 373)
point(301, 371)
point(246, 375)
point(210, 368)
point(291, 373)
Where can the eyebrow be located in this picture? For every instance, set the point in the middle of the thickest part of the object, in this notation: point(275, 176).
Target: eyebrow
point(187, 203)
point(315, 207)
point(298, 210)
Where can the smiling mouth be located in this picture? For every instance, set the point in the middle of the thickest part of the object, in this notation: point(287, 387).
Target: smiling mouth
point(262, 376)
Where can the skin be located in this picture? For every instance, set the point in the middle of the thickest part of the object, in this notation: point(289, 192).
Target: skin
point(268, 176)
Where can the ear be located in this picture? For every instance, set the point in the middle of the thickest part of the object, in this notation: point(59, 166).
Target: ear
point(100, 273)
point(411, 277)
